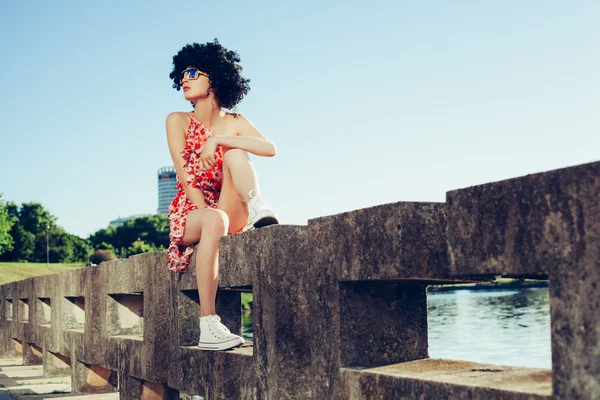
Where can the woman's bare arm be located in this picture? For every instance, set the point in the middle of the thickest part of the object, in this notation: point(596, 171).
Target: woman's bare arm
point(248, 138)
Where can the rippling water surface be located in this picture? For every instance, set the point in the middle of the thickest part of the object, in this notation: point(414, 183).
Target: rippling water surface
point(507, 327)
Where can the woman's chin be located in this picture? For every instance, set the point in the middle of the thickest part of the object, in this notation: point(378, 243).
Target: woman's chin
point(189, 97)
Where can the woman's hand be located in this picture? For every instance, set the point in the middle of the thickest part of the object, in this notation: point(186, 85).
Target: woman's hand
point(208, 159)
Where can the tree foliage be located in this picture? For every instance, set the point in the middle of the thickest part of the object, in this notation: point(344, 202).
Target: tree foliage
point(30, 233)
point(134, 236)
point(37, 238)
point(6, 223)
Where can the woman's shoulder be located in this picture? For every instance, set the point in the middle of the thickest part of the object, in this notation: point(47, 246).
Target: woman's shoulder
point(177, 123)
point(178, 119)
point(236, 119)
point(178, 116)
point(234, 122)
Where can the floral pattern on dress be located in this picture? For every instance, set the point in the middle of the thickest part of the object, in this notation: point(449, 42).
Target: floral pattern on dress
point(209, 182)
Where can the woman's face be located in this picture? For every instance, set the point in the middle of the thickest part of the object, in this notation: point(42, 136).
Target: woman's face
point(195, 84)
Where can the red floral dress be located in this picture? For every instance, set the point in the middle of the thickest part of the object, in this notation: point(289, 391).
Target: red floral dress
point(209, 182)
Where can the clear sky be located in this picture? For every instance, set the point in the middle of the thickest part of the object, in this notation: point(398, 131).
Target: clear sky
point(368, 102)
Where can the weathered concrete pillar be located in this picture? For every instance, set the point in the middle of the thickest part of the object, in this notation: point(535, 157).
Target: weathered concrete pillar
point(89, 378)
point(133, 388)
point(368, 304)
point(56, 364)
point(32, 354)
point(17, 347)
point(276, 258)
point(382, 323)
point(212, 374)
point(227, 305)
point(575, 327)
point(9, 347)
point(281, 318)
point(546, 223)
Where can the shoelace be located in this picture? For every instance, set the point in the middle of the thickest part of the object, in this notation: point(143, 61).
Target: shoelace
point(220, 327)
point(255, 205)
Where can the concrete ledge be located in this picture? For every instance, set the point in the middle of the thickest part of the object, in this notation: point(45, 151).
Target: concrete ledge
point(439, 378)
point(398, 240)
point(532, 225)
point(318, 291)
point(216, 375)
point(545, 224)
point(240, 254)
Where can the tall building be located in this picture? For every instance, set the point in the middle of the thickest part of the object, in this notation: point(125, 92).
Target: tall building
point(120, 221)
point(167, 188)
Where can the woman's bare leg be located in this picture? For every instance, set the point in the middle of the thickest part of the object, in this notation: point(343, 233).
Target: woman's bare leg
point(232, 199)
point(242, 173)
point(238, 168)
point(207, 226)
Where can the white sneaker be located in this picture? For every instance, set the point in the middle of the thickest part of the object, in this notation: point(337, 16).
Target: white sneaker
point(215, 336)
point(260, 213)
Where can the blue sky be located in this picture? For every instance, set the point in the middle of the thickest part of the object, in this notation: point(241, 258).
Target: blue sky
point(368, 102)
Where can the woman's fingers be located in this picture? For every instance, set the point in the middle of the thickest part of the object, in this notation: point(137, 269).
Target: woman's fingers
point(207, 163)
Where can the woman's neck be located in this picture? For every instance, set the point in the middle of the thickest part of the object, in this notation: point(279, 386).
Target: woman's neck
point(206, 112)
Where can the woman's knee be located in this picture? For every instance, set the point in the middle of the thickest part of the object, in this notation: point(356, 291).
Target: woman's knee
point(217, 224)
point(233, 155)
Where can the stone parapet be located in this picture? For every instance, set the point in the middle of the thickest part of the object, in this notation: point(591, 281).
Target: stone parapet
point(339, 305)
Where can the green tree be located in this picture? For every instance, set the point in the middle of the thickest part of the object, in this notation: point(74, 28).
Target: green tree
point(34, 232)
point(138, 247)
point(103, 236)
point(105, 246)
point(82, 249)
point(152, 230)
point(24, 244)
point(63, 247)
point(6, 224)
point(35, 218)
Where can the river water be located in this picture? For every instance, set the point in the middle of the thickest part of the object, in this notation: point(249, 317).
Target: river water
point(504, 327)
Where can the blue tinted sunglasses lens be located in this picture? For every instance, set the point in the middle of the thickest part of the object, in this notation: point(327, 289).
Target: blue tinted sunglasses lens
point(191, 73)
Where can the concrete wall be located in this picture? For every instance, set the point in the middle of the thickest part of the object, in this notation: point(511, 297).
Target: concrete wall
point(340, 306)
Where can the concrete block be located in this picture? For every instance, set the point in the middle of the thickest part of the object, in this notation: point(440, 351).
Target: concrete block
point(382, 323)
point(133, 388)
point(55, 364)
point(91, 378)
point(392, 241)
point(545, 224)
point(32, 354)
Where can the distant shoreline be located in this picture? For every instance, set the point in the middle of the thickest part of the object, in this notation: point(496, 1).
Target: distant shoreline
point(499, 285)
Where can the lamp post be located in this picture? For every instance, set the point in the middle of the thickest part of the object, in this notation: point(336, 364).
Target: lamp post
point(47, 245)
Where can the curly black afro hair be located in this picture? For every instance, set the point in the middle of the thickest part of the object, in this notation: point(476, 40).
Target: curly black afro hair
point(222, 68)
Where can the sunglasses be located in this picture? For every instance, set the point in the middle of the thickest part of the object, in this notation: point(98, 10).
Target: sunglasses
point(191, 73)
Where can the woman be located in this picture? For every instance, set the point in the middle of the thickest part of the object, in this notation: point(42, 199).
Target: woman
point(218, 191)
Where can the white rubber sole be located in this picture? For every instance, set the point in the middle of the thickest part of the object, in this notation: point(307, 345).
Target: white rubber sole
point(228, 344)
point(265, 218)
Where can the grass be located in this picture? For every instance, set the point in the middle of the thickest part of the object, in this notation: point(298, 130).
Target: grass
point(246, 300)
point(47, 382)
point(496, 283)
point(10, 272)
